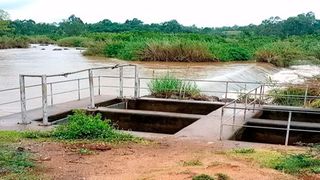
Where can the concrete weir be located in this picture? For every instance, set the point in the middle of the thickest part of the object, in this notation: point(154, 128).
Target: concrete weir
point(180, 118)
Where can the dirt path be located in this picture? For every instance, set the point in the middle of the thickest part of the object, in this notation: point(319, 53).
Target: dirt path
point(161, 159)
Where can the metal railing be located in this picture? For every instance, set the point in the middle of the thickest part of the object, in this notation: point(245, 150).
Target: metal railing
point(247, 93)
point(253, 102)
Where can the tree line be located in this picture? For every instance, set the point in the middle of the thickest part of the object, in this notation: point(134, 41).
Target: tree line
point(301, 24)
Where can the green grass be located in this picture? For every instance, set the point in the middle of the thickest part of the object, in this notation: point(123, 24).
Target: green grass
point(221, 176)
point(244, 150)
point(295, 163)
point(166, 86)
point(202, 177)
point(83, 126)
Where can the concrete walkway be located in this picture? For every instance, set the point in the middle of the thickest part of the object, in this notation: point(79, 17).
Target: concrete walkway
point(10, 122)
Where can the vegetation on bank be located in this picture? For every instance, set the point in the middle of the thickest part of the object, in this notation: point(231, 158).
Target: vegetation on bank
point(292, 163)
point(276, 41)
point(168, 86)
point(17, 163)
point(294, 95)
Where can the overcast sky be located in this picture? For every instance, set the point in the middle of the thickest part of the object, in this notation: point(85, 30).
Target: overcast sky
point(203, 13)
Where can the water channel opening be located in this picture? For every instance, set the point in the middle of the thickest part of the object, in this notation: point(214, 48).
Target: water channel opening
point(155, 115)
point(302, 125)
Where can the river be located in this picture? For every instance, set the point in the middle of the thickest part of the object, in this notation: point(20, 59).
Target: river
point(45, 60)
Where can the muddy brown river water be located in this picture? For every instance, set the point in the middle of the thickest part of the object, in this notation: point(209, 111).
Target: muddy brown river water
point(45, 60)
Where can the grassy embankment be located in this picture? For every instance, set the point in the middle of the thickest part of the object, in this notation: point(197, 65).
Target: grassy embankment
point(199, 47)
point(16, 162)
point(186, 47)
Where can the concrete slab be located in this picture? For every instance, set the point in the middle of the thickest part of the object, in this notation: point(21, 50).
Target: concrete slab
point(10, 122)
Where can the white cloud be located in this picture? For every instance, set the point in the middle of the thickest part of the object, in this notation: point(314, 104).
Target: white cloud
point(188, 12)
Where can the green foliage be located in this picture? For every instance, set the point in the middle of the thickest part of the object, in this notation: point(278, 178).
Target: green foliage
point(221, 176)
point(281, 53)
point(74, 41)
point(235, 54)
point(195, 162)
point(167, 86)
point(176, 51)
point(315, 103)
point(13, 42)
point(244, 150)
point(298, 163)
point(290, 96)
point(202, 177)
point(14, 161)
point(83, 126)
point(36, 134)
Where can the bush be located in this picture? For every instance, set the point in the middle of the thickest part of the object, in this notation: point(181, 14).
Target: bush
point(235, 54)
point(315, 103)
point(13, 42)
point(167, 86)
point(14, 161)
point(82, 126)
point(75, 41)
point(175, 51)
point(244, 150)
point(95, 49)
point(297, 163)
point(202, 177)
point(281, 53)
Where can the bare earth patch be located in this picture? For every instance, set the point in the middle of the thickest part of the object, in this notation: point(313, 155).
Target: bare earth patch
point(167, 158)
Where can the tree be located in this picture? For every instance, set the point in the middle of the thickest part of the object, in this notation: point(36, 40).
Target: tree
point(4, 22)
point(73, 26)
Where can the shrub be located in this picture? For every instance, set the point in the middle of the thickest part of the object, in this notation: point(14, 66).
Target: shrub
point(14, 161)
point(315, 103)
point(167, 86)
point(95, 49)
point(13, 42)
point(289, 96)
point(175, 51)
point(75, 41)
point(244, 150)
point(281, 53)
point(235, 54)
point(202, 177)
point(297, 163)
point(82, 126)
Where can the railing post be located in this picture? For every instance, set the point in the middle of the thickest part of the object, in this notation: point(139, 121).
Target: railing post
point(234, 114)
point(288, 128)
point(221, 124)
point(99, 85)
point(44, 100)
point(305, 96)
point(255, 96)
point(245, 108)
point(23, 100)
point(260, 96)
point(79, 94)
point(91, 88)
point(51, 94)
point(226, 94)
point(136, 82)
point(121, 81)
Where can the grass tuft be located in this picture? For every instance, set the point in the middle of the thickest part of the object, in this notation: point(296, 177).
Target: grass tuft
point(195, 162)
point(244, 150)
point(202, 177)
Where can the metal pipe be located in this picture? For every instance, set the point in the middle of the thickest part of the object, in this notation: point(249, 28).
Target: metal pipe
point(288, 128)
point(221, 124)
point(23, 100)
point(255, 96)
point(79, 93)
point(51, 94)
point(136, 82)
point(99, 85)
point(305, 96)
point(226, 93)
point(92, 104)
point(234, 114)
point(121, 81)
point(44, 100)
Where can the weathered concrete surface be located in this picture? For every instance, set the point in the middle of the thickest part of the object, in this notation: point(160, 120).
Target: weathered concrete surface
point(11, 122)
point(208, 127)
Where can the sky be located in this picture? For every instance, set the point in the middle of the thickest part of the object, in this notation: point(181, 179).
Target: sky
point(202, 13)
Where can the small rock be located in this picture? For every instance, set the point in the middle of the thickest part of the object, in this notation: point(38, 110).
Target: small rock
point(20, 149)
point(45, 158)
